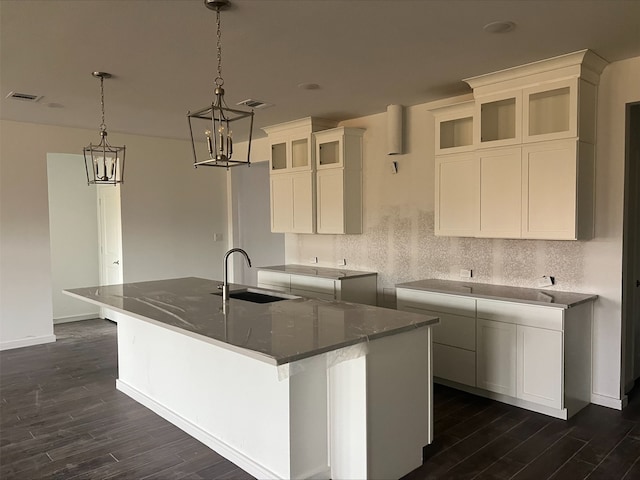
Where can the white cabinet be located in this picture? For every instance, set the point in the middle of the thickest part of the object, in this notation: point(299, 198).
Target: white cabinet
point(292, 174)
point(339, 180)
point(500, 193)
point(534, 145)
point(316, 181)
point(557, 203)
point(454, 128)
point(533, 356)
point(454, 338)
point(540, 366)
point(292, 206)
point(457, 187)
point(352, 288)
point(496, 357)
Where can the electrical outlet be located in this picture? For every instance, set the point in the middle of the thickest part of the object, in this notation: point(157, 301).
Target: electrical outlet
point(546, 281)
point(217, 237)
point(466, 273)
point(342, 262)
point(313, 259)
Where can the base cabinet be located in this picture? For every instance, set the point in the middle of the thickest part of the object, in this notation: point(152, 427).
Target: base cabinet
point(540, 365)
point(496, 357)
point(532, 356)
point(356, 289)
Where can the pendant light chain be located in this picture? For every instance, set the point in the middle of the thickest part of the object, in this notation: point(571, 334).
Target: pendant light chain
point(219, 80)
point(103, 126)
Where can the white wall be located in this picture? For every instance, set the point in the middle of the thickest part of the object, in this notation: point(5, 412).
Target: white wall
point(169, 214)
point(399, 242)
point(73, 231)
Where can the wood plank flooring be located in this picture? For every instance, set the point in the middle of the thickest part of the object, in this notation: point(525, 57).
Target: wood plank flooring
point(62, 418)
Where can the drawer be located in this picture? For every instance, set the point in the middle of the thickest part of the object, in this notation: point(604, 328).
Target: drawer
point(438, 302)
point(310, 294)
point(454, 364)
point(314, 284)
point(273, 278)
point(530, 315)
point(453, 330)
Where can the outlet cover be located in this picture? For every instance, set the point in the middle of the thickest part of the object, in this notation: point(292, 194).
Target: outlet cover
point(546, 281)
point(342, 262)
point(313, 259)
point(466, 273)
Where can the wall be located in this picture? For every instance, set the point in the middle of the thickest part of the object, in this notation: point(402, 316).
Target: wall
point(399, 243)
point(73, 231)
point(169, 214)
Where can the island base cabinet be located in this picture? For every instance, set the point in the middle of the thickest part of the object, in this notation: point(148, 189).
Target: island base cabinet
point(270, 424)
point(380, 416)
point(539, 366)
point(496, 356)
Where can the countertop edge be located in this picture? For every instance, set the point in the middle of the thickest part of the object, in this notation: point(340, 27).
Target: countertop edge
point(564, 306)
point(351, 274)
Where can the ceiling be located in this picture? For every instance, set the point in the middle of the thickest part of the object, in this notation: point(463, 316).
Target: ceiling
point(364, 54)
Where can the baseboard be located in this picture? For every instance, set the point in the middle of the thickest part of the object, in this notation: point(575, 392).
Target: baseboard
point(610, 402)
point(198, 433)
point(75, 318)
point(27, 342)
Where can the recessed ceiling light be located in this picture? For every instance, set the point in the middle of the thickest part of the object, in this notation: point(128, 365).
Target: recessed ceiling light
point(499, 27)
point(308, 86)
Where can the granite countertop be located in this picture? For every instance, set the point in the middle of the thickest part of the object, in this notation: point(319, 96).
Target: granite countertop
point(548, 298)
point(278, 333)
point(322, 272)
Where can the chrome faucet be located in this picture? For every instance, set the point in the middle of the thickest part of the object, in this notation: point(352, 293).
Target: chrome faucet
point(225, 284)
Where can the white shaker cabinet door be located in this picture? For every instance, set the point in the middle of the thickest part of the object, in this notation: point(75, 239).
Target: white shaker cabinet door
point(496, 356)
point(540, 366)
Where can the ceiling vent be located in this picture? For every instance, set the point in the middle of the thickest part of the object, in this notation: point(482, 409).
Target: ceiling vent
point(25, 97)
point(255, 104)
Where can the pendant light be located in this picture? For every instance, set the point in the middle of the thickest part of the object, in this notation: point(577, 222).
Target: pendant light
point(215, 122)
point(104, 163)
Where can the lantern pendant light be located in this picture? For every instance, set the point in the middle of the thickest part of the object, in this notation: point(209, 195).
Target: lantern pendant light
point(214, 122)
point(104, 163)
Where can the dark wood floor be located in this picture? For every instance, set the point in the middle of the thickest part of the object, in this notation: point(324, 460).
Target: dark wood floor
point(61, 417)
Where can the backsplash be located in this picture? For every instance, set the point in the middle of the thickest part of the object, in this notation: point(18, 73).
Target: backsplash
point(400, 245)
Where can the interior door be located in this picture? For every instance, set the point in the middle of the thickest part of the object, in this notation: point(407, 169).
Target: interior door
point(110, 234)
point(631, 249)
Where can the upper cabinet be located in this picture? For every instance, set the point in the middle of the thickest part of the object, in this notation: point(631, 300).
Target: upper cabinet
point(339, 180)
point(529, 142)
point(316, 177)
point(292, 175)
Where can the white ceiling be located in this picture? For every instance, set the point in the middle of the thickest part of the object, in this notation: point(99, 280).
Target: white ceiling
point(364, 54)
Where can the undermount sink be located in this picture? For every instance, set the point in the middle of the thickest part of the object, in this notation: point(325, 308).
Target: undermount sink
point(258, 296)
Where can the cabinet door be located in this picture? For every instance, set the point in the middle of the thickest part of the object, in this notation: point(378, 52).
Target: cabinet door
point(281, 203)
point(457, 202)
point(499, 119)
point(303, 216)
point(500, 193)
point(540, 366)
point(496, 356)
point(550, 111)
point(549, 187)
point(292, 203)
point(330, 184)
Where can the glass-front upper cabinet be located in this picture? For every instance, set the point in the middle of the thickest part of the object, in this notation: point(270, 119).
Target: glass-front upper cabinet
point(454, 128)
point(500, 119)
point(550, 111)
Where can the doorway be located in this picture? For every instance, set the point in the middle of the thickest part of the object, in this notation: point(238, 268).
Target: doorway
point(85, 235)
point(251, 222)
point(631, 250)
point(73, 234)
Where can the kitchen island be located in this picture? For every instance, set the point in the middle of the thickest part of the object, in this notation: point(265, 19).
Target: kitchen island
point(297, 388)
